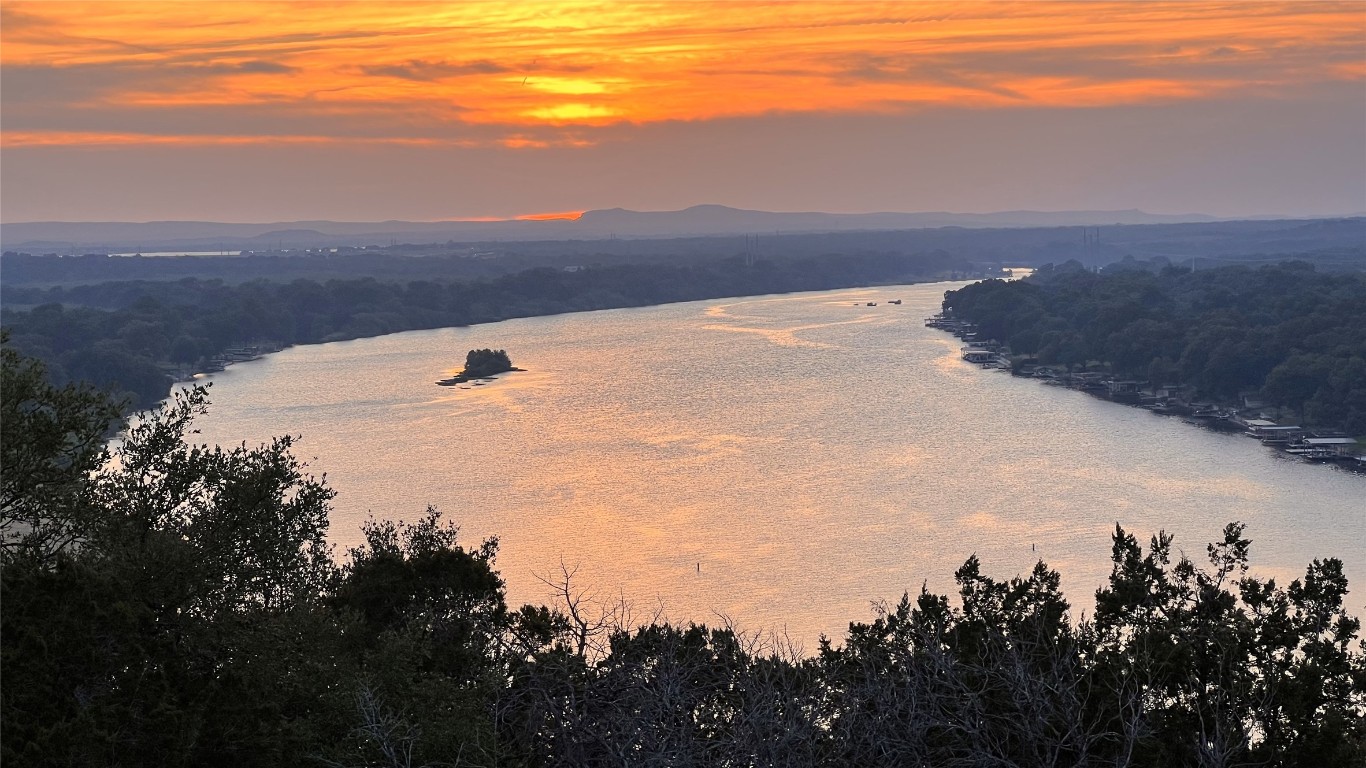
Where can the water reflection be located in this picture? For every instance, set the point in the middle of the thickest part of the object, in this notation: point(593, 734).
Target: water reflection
point(810, 453)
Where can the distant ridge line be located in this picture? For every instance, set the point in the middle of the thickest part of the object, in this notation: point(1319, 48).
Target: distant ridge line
point(696, 221)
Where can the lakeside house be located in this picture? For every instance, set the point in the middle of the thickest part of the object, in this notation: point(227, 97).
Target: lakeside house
point(1127, 392)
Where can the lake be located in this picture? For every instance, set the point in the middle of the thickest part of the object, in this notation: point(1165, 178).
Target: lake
point(778, 461)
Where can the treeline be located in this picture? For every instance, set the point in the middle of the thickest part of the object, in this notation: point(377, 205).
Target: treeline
point(1292, 336)
point(124, 335)
point(1332, 244)
point(179, 605)
point(25, 272)
point(28, 276)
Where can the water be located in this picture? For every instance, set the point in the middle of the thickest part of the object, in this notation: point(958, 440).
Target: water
point(782, 461)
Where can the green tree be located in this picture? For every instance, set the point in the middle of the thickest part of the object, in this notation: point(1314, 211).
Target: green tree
point(428, 623)
point(159, 599)
point(51, 440)
point(486, 362)
point(1233, 670)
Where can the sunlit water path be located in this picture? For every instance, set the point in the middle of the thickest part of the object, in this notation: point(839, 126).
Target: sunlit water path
point(781, 460)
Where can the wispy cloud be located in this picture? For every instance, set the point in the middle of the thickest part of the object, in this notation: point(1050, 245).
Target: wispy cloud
point(427, 71)
point(386, 70)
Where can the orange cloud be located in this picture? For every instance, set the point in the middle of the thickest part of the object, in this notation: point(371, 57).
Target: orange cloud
point(95, 138)
point(478, 72)
point(570, 215)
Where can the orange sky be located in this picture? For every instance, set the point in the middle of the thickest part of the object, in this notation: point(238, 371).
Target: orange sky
point(422, 71)
point(542, 75)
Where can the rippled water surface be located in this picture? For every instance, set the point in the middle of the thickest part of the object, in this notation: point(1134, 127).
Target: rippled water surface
point(781, 460)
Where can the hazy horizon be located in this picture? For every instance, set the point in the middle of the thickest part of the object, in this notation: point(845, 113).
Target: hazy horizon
point(417, 112)
point(570, 216)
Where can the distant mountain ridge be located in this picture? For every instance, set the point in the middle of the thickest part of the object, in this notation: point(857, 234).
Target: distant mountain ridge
point(699, 220)
point(721, 220)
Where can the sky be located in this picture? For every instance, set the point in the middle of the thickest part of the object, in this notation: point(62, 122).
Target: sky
point(360, 111)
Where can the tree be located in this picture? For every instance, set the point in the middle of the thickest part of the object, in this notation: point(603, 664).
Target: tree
point(158, 599)
point(1233, 670)
point(486, 362)
point(429, 621)
point(51, 440)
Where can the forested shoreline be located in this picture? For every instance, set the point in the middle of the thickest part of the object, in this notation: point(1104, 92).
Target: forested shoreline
point(1284, 334)
point(126, 336)
point(1287, 333)
point(179, 605)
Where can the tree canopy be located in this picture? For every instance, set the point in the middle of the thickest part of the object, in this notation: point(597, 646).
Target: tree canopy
point(486, 362)
point(1291, 335)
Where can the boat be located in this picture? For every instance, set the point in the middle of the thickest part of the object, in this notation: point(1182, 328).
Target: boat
point(872, 304)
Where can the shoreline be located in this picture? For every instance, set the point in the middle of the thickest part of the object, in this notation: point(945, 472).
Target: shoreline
point(271, 347)
point(1309, 444)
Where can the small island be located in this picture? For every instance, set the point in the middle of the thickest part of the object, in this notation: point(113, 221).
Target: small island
point(481, 364)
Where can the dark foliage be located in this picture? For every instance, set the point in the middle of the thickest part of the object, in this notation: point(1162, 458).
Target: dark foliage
point(486, 362)
point(1286, 332)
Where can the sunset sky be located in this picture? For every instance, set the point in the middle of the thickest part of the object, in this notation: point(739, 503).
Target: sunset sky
point(367, 111)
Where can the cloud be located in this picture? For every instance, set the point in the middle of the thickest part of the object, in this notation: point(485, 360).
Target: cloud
point(263, 67)
point(36, 29)
point(24, 84)
point(385, 71)
point(546, 139)
point(574, 112)
point(927, 72)
point(284, 118)
point(427, 71)
point(1181, 156)
point(80, 84)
